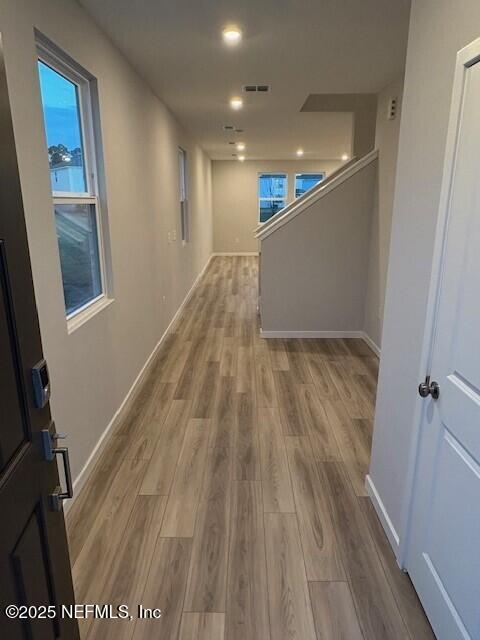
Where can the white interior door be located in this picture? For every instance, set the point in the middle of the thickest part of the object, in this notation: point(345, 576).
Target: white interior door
point(444, 551)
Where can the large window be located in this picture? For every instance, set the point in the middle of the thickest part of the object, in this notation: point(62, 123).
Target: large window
point(305, 181)
point(182, 176)
point(272, 194)
point(67, 111)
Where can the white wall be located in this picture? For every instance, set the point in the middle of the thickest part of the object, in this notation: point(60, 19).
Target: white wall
point(439, 28)
point(93, 368)
point(314, 268)
point(235, 197)
point(386, 141)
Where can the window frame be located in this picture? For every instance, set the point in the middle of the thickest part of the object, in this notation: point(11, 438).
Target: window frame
point(307, 173)
point(259, 198)
point(82, 81)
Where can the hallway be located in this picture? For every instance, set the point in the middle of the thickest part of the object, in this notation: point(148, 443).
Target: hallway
point(232, 496)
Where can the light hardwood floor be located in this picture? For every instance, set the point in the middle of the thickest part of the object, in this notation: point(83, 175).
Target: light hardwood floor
point(232, 496)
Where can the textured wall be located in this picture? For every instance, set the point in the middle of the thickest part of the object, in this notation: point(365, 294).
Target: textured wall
point(93, 368)
point(438, 29)
point(314, 269)
point(386, 141)
point(235, 197)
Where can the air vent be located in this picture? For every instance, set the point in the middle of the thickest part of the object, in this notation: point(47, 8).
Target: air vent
point(256, 88)
point(232, 129)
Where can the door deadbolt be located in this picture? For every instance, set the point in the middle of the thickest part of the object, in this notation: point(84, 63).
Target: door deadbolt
point(428, 388)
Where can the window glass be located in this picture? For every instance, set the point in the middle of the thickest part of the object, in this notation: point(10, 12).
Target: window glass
point(67, 111)
point(184, 214)
point(61, 112)
point(269, 208)
point(79, 255)
point(182, 170)
point(272, 194)
point(305, 181)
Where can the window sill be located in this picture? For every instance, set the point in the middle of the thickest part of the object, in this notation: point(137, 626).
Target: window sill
point(79, 319)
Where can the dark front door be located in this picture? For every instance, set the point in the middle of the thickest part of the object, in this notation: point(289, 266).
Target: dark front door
point(34, 561)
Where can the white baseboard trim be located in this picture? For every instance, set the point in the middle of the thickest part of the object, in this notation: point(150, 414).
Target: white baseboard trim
point(373, 346)
point(311, 334)
point(237, 253)
point(387, 524)
point(121, 412)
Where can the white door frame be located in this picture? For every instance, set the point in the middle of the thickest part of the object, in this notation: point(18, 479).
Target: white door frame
point(466, 57)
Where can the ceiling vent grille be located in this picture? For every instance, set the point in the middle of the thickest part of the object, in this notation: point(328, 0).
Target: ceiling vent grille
point(232, 129)
point(256, 88)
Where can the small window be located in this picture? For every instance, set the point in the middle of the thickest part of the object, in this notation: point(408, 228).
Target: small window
point(272, 194)
point(68, 118)
point(305, 181)
point(182, 174)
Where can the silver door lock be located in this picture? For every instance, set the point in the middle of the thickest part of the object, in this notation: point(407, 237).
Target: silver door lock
point(428, 388)
point(41, 384)
point(50, 450)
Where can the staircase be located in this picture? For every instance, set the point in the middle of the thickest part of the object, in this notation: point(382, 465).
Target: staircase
point(314, 256)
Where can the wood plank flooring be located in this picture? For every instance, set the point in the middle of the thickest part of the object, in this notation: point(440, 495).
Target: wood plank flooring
point(232, 495)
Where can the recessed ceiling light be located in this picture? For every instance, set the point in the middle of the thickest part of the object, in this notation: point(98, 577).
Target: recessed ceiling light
point(299, 153)
point(236, 103)
point(241, 158)
point(231, 35)
point(241, 146)
point(345, 157)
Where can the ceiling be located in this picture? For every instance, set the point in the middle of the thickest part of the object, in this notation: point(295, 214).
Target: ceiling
point(299, 47)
